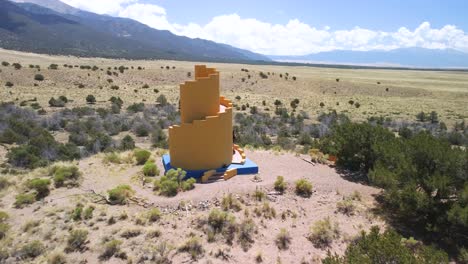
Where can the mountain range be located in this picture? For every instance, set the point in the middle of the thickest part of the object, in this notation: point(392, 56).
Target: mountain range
point(403, 57)
point(52, 27)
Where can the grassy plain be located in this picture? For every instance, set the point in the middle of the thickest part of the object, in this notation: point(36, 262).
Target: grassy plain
point(399, 94)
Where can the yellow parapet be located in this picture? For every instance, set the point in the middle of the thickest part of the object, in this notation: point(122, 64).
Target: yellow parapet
point(203, 140)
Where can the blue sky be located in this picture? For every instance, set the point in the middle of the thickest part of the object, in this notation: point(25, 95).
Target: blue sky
point(302, 27)
point(337, 14)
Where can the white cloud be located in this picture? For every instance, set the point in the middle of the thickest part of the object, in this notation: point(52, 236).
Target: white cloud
point(110, 7)
point(292, 38)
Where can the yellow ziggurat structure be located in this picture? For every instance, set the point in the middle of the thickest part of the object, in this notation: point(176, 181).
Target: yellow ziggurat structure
point(204, 140)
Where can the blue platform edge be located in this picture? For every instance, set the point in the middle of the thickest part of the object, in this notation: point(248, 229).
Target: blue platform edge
point(249, 167)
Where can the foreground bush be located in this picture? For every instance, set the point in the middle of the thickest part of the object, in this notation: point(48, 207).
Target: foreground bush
point(141, 156)
point(21, 200)
point(388, 247)
point(120, 194)
point(424, 178)
point(77, 240)
point(40, 186)
point(127, 143)
point(194, 247)
point(280, 184)
point(65, 175)
point(323, 232)
point(150, 169)
point(31, 250)
point(173, 182)
point(303, 188)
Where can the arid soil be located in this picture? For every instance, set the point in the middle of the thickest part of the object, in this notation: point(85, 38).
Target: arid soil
point(182, 214)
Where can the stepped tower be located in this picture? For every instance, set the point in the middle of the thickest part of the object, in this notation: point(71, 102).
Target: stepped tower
point(204, 139)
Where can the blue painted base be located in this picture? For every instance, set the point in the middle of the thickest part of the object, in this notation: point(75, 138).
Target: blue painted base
point(249, 167)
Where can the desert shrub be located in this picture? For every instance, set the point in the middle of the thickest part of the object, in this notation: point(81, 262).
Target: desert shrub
point(5, 63)
point(283, 239)
point(323, 232)
point(88, 213)
point(110, 249)
point(188, 184)
point(303, 188)
point(136, 107)
point(40, 186)
point(17, 66)
point(220, 222)
point(4, 227)
point(150, 169)
point(246, 230)
point(77, 212)
point(154, 215)
point(266, 210)
point(346, 206)
point(3, 216)
point(56, 258)
point(56, 102)
point(9, 84)
point(65, 175)
point(142, 130)
point(4, 183)
point(229, 202)
point(388, 247)
point(259, 195)
point(194, 247)
point(23, 199)
point(280, 184)
point(145, 86)
point(127, 143)
point(120, 194)
point(53, 66)
point(90, 99)
point(162, 100)
point(141, 156)
point(39, 77)
point(31, 250)
point(159, 138)
point(172, 182)
point(77, 240)
point(112, 157)
point(129, 233)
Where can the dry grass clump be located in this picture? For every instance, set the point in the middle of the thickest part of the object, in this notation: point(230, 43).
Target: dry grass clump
point(112, 248)
point(112, 157)
point(154, 215)
point(283, 239)
point(220, 222)
point(77, 240)
point(266, 210)
point(303, 188)
point(259, 195)
point(280, 184)
point(323, 232)
point(194, 247)
point(346, 206)
point(56, 258)
point(229, 202)
point(4, 227)
point(67, 176)
point(120, 194)
point(246, 230)
point(129, 233)
point(141, 156)
point(31, 250)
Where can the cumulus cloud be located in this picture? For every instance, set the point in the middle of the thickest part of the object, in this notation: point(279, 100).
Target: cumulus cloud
point(292, 38)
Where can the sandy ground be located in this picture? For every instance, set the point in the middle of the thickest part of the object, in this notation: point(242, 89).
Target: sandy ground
point(178, 222)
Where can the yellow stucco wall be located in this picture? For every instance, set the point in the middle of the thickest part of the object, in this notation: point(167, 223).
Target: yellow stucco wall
point(203, 140)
